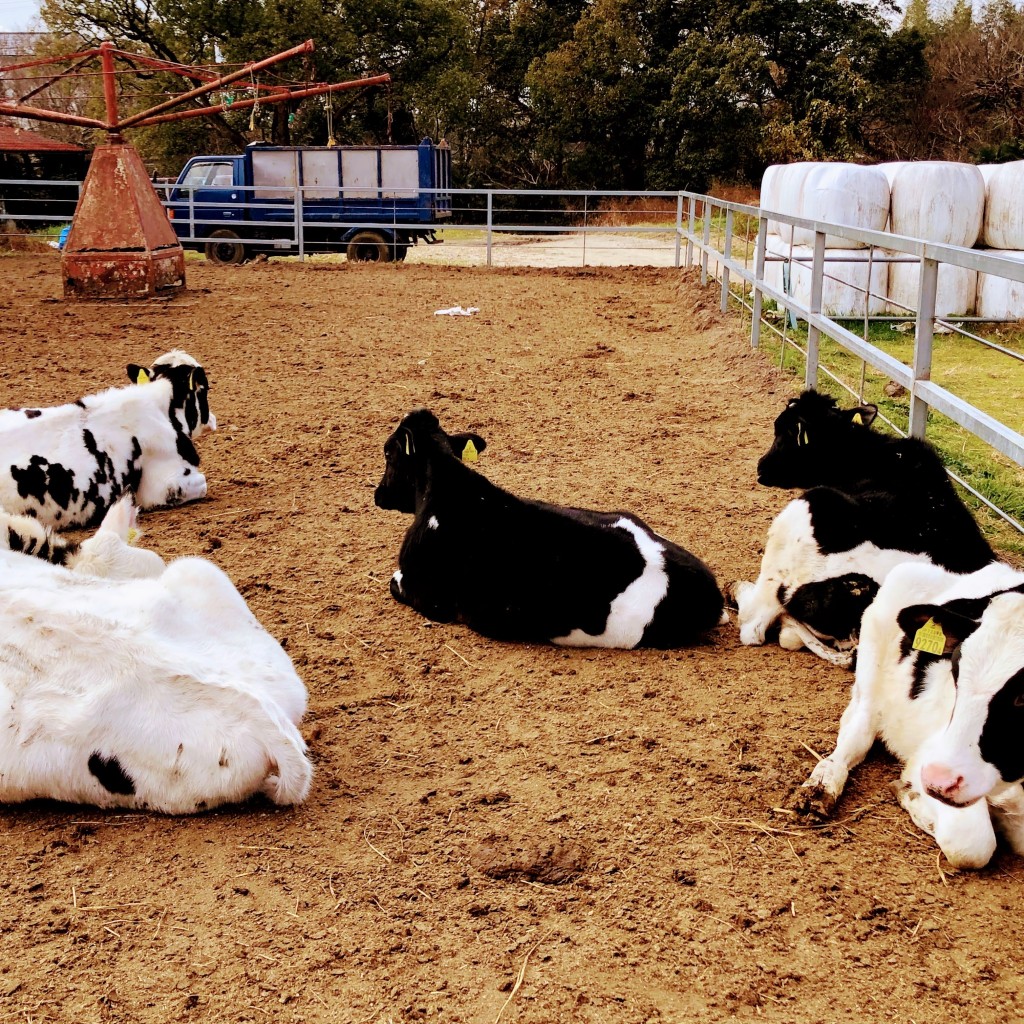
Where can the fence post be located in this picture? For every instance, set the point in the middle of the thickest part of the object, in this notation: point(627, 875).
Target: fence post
point(706, 246)
point(923, 336)
point(679, 227)
point(490, 223)
point(689, 237)
point(299, 234)
point(755, 305)
point(817, 285)
point(726, 255)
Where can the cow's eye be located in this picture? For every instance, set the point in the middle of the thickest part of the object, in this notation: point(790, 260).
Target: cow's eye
point(1018, 701)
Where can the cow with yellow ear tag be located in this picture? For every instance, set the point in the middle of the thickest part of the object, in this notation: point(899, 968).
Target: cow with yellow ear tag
point(66, 465)
point(517, 569)
point(872, 502)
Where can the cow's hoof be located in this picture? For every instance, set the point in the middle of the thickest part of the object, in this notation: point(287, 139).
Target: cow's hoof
point(811, 802)
point(731, 593)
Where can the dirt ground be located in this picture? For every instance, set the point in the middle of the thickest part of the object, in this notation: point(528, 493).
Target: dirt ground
point(495, 832)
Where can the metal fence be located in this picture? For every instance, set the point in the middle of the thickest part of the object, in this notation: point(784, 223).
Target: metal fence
point(712, 239)
point(728, 241)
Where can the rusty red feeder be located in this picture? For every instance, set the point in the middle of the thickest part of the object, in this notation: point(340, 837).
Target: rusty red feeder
point(121, 244)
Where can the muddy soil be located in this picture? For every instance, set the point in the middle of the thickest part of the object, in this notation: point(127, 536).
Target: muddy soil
point(496, 832)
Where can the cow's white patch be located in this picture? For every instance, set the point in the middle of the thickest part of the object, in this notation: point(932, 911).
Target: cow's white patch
point(630, 612)
point(397, 577)
point(432, 523)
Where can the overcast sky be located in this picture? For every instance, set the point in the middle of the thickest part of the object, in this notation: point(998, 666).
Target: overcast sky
point(18, 15)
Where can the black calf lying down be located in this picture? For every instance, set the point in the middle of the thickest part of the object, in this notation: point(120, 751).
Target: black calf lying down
point(873, 502)
point(515, 569)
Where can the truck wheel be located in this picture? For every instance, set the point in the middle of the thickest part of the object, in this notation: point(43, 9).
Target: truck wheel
point(369, 247)
point(224, 248)
point(401, 251)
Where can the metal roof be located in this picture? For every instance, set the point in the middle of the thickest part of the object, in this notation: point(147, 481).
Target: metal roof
point(20, 140)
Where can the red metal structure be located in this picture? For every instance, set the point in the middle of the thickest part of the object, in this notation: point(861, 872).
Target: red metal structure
point(121, 244)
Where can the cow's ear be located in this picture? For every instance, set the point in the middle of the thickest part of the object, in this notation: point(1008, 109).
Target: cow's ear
point(467, 446)
point(863, 415)
point(138, 374)
point(934, 628)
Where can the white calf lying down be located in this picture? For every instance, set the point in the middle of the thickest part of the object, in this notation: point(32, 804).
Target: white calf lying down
point(66, 465)
point(109, 552)
point(161, 693)
point(940, 680)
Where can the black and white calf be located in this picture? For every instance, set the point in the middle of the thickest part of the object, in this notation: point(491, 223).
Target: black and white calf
point(158, 692)
point(515, 569)
point(873, 503)
point(110, 552)
point(66, 465)
point(940, 680)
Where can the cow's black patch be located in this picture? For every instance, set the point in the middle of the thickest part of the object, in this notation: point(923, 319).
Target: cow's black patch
point(33, 413)
point(42, 479)
point(1000, 744)
point(186, 449)
point(110, 775)
point(15, 541)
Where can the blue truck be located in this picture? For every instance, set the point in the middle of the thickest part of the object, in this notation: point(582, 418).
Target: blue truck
point(370, 202)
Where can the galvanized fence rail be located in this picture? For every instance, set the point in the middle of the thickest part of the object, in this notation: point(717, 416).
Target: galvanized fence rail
point(690, 228)
point(915, 377)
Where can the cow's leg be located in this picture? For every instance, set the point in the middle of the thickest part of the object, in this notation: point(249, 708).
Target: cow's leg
point(788, 553)
point(857, 731)
point(429, 601)
point(1007, 805)
point(794, 635)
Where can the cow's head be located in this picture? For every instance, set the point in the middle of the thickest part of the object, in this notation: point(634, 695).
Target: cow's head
point(983, 744)
point(190, 404)
point(407, 453)
point(813, 439)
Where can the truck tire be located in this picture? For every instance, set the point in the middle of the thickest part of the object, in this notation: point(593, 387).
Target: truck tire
point(401, 251)
point(369, 247)
point(224, 248)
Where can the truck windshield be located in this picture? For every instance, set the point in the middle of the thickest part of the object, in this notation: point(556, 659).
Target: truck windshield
point(217, 175)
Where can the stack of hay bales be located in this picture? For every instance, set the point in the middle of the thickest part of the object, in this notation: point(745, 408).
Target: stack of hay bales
point(940, 201)
point(841, 194)
point(1003, 232)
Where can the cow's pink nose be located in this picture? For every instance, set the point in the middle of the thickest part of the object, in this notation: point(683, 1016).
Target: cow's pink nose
point(940, 781)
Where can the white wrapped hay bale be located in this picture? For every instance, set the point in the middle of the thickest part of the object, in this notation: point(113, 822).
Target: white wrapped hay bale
point(843, 194)
point(844, 286)
point(1003, 226)
point(955, 289)
point(891, 169)
point(999, 298)
point(783, 192)
point(939, 201)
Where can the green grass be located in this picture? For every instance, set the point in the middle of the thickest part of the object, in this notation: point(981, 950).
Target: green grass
point(989, 380)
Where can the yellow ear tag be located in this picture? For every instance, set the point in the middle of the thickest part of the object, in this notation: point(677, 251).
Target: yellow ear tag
point(192, 381)
point(858, 419)
point(133, 535)
point(802, 437)
point(469, 453)
point(143, 377)
point(408, 450)
point(930, 639)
